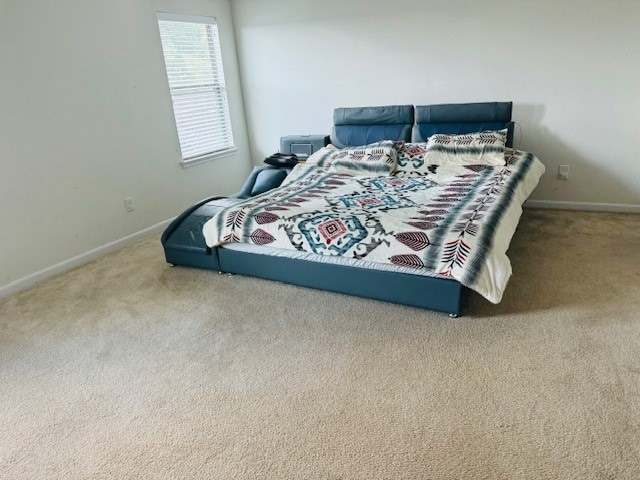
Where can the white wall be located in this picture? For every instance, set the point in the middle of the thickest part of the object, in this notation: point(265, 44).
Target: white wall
point(572, 68)
point(86, 120)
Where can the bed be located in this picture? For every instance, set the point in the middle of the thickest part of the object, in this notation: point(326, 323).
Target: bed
point(376, 236)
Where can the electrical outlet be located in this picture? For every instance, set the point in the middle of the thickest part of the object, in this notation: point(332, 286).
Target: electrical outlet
point(563, 172)
point(129, 204)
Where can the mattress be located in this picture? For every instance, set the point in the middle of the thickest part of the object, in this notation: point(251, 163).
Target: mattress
point(332, 260)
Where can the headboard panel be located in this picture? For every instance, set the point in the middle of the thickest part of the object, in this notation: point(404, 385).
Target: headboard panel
point(364, 125)
point(460, 118)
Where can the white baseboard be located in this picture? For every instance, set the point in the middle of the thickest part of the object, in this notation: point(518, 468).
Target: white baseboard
point(586, 206)
point(74, 262)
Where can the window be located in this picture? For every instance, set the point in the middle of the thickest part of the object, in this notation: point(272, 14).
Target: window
point(191, 47)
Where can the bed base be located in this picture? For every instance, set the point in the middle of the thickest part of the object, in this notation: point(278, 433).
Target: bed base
point(439, 294)
point(184, 245)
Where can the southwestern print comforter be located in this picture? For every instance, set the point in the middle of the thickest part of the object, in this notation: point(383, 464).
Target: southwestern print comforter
point(454, 221)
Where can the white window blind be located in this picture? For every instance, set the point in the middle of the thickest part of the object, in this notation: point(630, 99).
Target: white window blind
point(191, 47)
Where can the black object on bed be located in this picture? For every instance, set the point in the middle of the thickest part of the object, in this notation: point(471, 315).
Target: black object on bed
point(184, 243)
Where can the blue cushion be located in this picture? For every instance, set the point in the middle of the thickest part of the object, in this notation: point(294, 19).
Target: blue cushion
point(459, 118)
point(268, 179)
point(261, 179)
point(364, 125)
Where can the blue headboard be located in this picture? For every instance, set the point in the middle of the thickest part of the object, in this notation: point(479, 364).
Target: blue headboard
point(364, 125)
point(460, 118)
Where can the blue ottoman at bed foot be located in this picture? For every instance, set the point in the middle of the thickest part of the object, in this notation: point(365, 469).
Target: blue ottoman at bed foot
point(183, 241)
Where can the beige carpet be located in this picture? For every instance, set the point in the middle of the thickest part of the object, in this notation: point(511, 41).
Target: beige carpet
point(126, 368)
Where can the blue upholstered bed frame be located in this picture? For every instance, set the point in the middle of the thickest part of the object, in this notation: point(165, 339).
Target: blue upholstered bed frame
point(184, 243)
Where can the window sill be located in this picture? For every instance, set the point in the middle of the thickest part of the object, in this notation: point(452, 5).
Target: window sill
point(208, 157)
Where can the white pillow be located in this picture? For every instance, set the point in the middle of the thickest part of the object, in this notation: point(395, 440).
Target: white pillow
point(370, 160)
point(321, 158)
point(481, 148)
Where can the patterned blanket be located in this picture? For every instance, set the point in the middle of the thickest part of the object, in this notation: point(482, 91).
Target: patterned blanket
point(454, 221)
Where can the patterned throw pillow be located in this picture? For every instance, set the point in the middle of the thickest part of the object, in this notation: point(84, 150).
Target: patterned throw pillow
point(369, 160)
point(482, 148)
